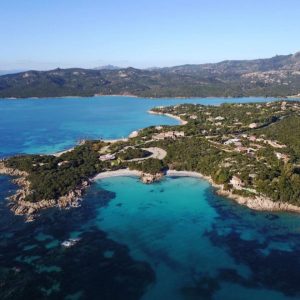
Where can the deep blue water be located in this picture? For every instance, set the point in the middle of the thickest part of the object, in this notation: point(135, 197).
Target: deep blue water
point(171, 240)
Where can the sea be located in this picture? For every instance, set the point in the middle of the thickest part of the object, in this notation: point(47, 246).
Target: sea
point(172, 240)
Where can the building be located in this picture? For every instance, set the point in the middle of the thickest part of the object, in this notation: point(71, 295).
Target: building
point(253, 125)
point(252, 138)
point(219, 118)
point(233, 141)
point(282, 156)
point(241, 149)
point(106, 157)
point(283, 105)
point(61, 163)
point(168, 135)
point(236, 183)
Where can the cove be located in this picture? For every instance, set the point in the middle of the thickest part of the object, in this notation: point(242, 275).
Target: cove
point(171, 240)
point(200, 245)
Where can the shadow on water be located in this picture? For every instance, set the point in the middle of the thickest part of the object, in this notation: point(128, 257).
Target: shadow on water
point(270, 268)
point(34, 265)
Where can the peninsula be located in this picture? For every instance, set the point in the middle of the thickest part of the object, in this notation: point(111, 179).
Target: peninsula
point(249, 152)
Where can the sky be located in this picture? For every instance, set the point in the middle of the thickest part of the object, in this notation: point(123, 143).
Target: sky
point(46, 34)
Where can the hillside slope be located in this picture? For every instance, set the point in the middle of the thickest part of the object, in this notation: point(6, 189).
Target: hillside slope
point(277, 76)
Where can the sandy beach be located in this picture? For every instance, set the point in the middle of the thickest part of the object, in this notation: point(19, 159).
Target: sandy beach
point(58, 154)
point(133, 134)
point(127, 172)
point(182, 122)
point(122, 172)
point(259, 203)
point(185, 174)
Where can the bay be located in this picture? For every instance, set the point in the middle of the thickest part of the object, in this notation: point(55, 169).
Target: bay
point(171, 240)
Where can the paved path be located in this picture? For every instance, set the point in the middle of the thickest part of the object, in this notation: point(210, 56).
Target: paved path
point(157, 153)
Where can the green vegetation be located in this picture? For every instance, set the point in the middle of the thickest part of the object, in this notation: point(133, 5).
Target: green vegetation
point(51, 177)
point(286, 132)
point(265, 77)
point(132, 153)
point(151, 166)
point(252, 149)
point(277, 133)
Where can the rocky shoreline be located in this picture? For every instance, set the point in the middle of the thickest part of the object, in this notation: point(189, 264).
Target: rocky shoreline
point(20, 206)
point(30, 210)
point(259, 203)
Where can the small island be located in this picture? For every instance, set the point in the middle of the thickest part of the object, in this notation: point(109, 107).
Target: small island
point(249, 152)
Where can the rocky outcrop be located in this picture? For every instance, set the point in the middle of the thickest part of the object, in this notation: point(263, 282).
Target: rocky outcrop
point(256, 202)
point(260, 203)
point(20, 206)
point(10, 171)
point(150, 178)
point(73, 198)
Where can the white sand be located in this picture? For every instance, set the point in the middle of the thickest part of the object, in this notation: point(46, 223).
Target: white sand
point(122, 172)
point(182, 122)
point(127, 172)
point(185, 174)
point(58, 154)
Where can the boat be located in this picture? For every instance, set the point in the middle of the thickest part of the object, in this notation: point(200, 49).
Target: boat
point(70, 242)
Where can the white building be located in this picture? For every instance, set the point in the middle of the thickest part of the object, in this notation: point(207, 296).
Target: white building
point(232, 141)
point(168, 134)
point(237, 183)
point(219, 118)
point(106, 157)
point(253, 125)
point(282, 156)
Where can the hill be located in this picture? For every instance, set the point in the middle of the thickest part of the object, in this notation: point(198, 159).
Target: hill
point(277, 76)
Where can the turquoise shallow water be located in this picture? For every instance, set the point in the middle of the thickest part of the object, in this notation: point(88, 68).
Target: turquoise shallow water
point(198, 243)
point(172, 240)
point(51, 125)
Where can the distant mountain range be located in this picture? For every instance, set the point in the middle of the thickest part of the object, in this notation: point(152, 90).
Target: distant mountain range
point(108, 67)
point(278, 76)
point(4, 72)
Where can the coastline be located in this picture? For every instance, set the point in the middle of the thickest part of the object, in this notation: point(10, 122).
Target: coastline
point(117, 173)
point(131, 135)
point(144, 97)
point(259, 203)
point(58, 154)
point(20, 206)
point(182, 122)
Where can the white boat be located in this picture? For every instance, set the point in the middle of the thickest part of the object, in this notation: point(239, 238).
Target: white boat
point(70, 242)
